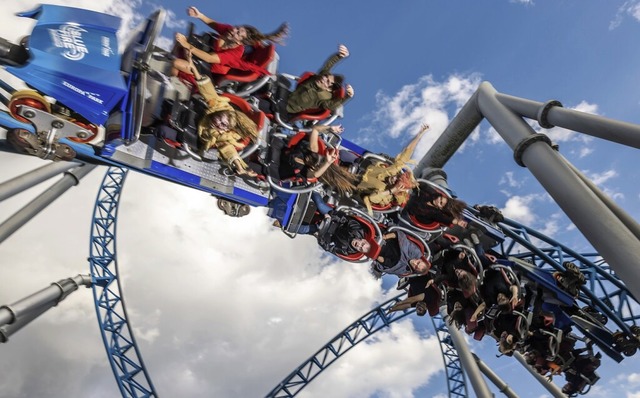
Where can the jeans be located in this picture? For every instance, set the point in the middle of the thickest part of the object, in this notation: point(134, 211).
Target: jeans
point(322, 207)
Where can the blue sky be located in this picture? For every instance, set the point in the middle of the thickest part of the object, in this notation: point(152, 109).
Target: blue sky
point(217, 316)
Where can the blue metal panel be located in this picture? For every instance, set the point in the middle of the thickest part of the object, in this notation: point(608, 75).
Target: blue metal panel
point(74, 58)
point(346, 144)
point(175, 174)
point(249, 197)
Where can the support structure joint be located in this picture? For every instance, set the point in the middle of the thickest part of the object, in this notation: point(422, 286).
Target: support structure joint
point(544, 112)
point(526, 143)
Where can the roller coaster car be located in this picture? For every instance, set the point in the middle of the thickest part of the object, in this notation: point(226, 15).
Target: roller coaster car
point(242, 83)
point(94, 104)
point(587, 321)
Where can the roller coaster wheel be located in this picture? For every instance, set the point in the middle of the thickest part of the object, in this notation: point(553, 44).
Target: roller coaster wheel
point(83, 137)
point(24, 41)
point(597, 315)
point(27, 98)
point(629, 350)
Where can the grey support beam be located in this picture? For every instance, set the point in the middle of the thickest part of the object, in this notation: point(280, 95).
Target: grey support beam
point(628, 221)
point(25, 214)
point(32, 178)
point(495, 379)
point(469, 364)
point(552, 113)
point(452, 137)
point(555, 391)
point(43, 299)
point(602, 228)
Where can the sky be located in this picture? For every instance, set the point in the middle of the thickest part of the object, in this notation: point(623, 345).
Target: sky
point(229, 307)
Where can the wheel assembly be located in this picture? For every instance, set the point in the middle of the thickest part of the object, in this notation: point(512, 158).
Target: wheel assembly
point(27, 98)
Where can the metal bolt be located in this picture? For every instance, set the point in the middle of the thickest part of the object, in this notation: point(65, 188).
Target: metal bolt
point(29, 114)
point(57, 124)
point(82, 134)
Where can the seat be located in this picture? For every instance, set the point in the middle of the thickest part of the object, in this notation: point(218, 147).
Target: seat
point(369, 236)
point(260, 55)
point(245, 83)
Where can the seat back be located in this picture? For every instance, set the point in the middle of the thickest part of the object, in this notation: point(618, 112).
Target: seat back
point(260, 55)
point(293, 141)
point(242, 105)
point(369, 235)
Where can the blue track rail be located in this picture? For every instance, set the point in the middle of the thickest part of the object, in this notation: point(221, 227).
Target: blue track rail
point(117, 335)
point(358, 331)
point(604, 292)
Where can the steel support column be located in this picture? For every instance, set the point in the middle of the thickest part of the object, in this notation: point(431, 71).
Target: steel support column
point(41, 300)
point(33, 178)
point(552, 113)
point(552, 388)
point(628, 221)
point(70, 179)
point(461, 126)
point(608, 235)
point(469, 364)
point(495, 379)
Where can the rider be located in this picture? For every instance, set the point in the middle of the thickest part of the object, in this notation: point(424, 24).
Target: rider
point(228, 49)
point(383, 184)
point(317, 91)
point(223, 127)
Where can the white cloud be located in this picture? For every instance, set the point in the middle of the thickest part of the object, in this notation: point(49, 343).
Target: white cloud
point(601, 178)
point(518, 208)
point(427, 101)
point(525, 2)
point(347, 378)
point(633, 378)
point(214, 307)
point(585, 151)
point(628, 8)
point(508, 179)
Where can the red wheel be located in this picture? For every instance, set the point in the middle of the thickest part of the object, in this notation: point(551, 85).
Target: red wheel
point(81, 138)
point(27, 98)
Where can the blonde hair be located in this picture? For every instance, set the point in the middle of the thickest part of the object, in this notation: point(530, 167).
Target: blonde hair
point(238, 121)
point(338, 178)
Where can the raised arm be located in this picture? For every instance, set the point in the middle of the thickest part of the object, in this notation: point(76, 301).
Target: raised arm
point(343, 52)
point(332, 155)
point(211, 58)
point(195, 13)
point(315, 132)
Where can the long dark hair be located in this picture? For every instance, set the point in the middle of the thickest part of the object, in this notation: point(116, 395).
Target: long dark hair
point(254, 36)
point(454, 207)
